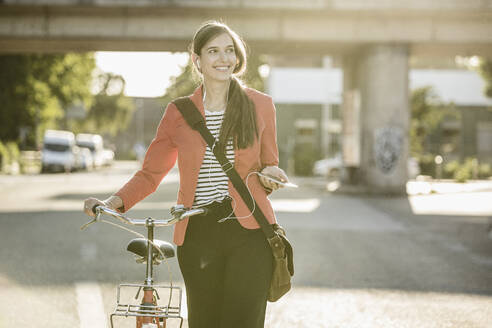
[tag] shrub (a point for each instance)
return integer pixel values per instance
(427, 165)
(13, 151)
(470, 169)
(462, 174)
(459, 171)
(4, 157)
(9, 156)
(484, 171)
(450, 169)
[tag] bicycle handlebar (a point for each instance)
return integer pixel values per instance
(178, 212)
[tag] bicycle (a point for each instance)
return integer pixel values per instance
(148, 313)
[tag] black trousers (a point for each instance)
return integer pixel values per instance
(227, 270)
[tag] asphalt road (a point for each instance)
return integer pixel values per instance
(361, 261)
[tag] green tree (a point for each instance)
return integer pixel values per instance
(252, 76)
(111, 110)
(69, 76)
(427, 113)
(486, 72)
(182, 85)
(35, 90)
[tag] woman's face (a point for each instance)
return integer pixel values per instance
(218, 58)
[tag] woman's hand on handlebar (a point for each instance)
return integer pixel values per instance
(89, 204)
(113, 202)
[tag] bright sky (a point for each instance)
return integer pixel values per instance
(146, 73)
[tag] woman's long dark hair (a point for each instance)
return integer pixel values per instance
(240, 115)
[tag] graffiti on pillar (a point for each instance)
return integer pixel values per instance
(388, 143)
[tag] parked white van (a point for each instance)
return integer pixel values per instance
(59, 151)
(94, 142)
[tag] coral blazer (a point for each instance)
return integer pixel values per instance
(174, 139)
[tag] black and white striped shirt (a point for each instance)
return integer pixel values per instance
(212, 181)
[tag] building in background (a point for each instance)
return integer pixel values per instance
(308, 102)
(307, 92)
(470, 133)
(309, 111)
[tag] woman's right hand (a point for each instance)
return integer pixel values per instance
(89, 204)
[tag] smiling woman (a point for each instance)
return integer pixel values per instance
(146, 74)
(225, 259)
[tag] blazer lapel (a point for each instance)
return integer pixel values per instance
(197, 98)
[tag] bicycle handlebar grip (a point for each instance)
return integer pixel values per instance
(177, 208)
(94, 208)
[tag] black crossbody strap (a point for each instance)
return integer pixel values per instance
(196, 121)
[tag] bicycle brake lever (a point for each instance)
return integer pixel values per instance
(88, 223)
(138, 292)
(96, 218)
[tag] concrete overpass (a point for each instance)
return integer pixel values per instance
(272, 26)
(374, 37)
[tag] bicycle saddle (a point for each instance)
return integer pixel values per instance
(138, 246)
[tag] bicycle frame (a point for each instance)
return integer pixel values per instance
(148, 313)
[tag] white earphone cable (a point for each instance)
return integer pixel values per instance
(226, 194)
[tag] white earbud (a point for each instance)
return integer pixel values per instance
(198, 63)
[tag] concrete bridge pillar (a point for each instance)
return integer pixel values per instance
(377, 81)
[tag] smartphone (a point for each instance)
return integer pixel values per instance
(284, 184)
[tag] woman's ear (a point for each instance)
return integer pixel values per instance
(196, 61)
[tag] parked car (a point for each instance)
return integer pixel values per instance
(333, 167)
(85, 159)
(59, 151)
(329, 167)
(108, 157)
(93, 142)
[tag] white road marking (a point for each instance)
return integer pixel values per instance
(460, 204)
(184, 305)
(90, 305)
(295, 205)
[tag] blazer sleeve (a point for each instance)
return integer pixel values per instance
(159, 160)
(269, 148)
